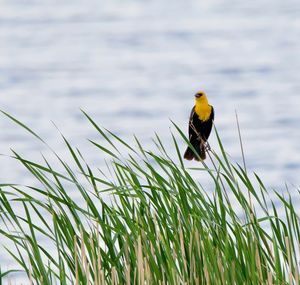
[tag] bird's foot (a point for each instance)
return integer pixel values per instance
(207, 147)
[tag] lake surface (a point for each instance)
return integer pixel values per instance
(133, 65)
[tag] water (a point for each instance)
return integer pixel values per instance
(132, 65)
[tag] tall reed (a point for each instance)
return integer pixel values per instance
(159, 225)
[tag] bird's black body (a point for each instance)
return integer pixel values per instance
(199, 132)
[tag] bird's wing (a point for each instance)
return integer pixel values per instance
(192, 113)
(212, 114)
(191, 131)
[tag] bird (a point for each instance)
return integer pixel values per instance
(200, 125)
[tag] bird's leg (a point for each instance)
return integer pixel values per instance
(205, 144)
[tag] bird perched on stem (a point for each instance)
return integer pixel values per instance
(200, 125)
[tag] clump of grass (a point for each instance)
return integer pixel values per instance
(159, 227)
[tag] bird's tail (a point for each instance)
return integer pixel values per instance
(189, 154)
(199, 147)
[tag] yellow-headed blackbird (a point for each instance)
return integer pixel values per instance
(200, 124)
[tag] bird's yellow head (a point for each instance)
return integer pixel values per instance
(202, 108)
(201, 98)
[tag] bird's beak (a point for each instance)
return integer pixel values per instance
(198, 95)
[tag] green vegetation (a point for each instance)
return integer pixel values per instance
(158, 226)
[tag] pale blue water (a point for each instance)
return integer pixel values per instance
(132, 65)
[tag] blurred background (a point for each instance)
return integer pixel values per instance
(133, 65)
